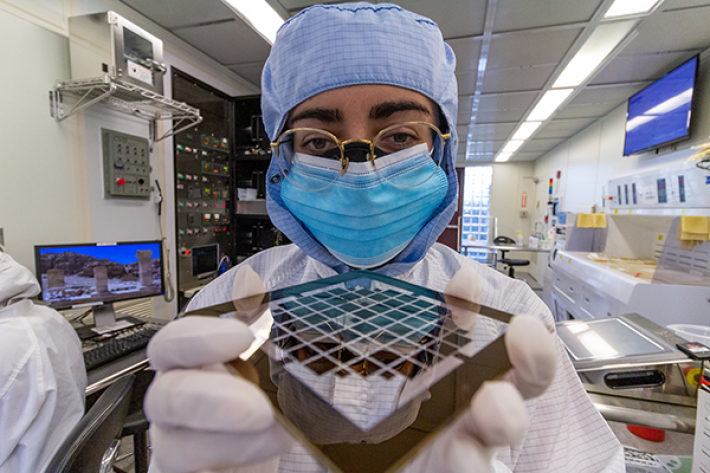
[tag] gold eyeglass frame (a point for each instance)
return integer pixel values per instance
(345, 161)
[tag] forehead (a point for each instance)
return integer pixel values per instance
(356, 99)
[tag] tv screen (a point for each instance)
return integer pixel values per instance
(660, 113)
(94, 274)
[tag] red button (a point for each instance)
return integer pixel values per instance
(121, 181)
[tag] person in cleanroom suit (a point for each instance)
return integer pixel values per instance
(360, 102)
(42, 374)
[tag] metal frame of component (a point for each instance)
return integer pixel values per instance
(103, 71)
(107, 43)
(639, 387)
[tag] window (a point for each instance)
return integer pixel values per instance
(476, 211)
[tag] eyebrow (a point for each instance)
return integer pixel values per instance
(326, 115)
(387, 109)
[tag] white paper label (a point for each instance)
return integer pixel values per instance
(139, 72)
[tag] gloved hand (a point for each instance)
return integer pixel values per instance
(201, 416)
(497, 416)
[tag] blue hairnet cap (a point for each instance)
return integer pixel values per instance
(325, 47)
(329, 46)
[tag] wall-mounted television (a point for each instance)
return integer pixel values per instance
(660, 114)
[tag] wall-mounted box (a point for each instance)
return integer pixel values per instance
(106, 43)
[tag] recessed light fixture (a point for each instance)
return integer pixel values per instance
(525, 130)
(597, 47)
(629, 7)
(548, 104)
(260, 16)
(503, 157)
(512, 146)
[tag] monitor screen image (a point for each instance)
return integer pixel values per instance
(93, 273)
(660, 113)
(205, 260)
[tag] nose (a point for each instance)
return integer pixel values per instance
(357, 152)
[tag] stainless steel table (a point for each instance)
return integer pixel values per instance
(525, 249)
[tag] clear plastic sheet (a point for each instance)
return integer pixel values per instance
(364, 369)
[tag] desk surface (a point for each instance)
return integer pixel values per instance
(526, 249)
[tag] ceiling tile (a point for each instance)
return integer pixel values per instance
(680, 4)
(640, 67)
(181, 12)
(493, 131)
(228, 43)
(563, 128)
(587, 110)
(507, 101)
(606, 94)
(530, 48)
(467, 52)
(531, 156)
(673, 31)
(540, 145)
(456, 18)
(462, 131)
(515, 15)
(464, 113)
(467, 82)
(522, 78)
(498, 116)
(249, 71)
(484, 147)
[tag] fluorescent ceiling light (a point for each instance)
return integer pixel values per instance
(629, 7)
(548, 104)
(597, 47)
(260, 16)
(503, 157)
(525, 130)
(512, 146)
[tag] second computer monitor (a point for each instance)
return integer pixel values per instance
(94, 273)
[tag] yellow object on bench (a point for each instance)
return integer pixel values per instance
(591, 220)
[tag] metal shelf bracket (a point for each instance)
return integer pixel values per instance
(126, 98)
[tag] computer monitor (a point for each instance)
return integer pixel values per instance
(98, 274)
(205, 261)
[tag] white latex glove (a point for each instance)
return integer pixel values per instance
(497, 416)
(202, 417)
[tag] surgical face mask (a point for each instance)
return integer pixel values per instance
(361, 218)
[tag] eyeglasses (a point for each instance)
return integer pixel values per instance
(322, 158)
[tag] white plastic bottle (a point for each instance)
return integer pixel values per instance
(520, 238)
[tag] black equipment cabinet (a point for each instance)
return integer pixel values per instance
(252, 154)
(204, 185)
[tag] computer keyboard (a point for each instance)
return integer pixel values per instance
(106, 350)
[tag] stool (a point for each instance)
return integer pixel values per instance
(512, 263)
(137, 425)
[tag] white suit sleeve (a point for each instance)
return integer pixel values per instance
(22, 394)
(567, 432)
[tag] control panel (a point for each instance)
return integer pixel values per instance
(684, 186)
(204, 204)
(126, 166)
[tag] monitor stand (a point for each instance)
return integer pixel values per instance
(105, 319)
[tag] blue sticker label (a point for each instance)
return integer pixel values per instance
(707, 179)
